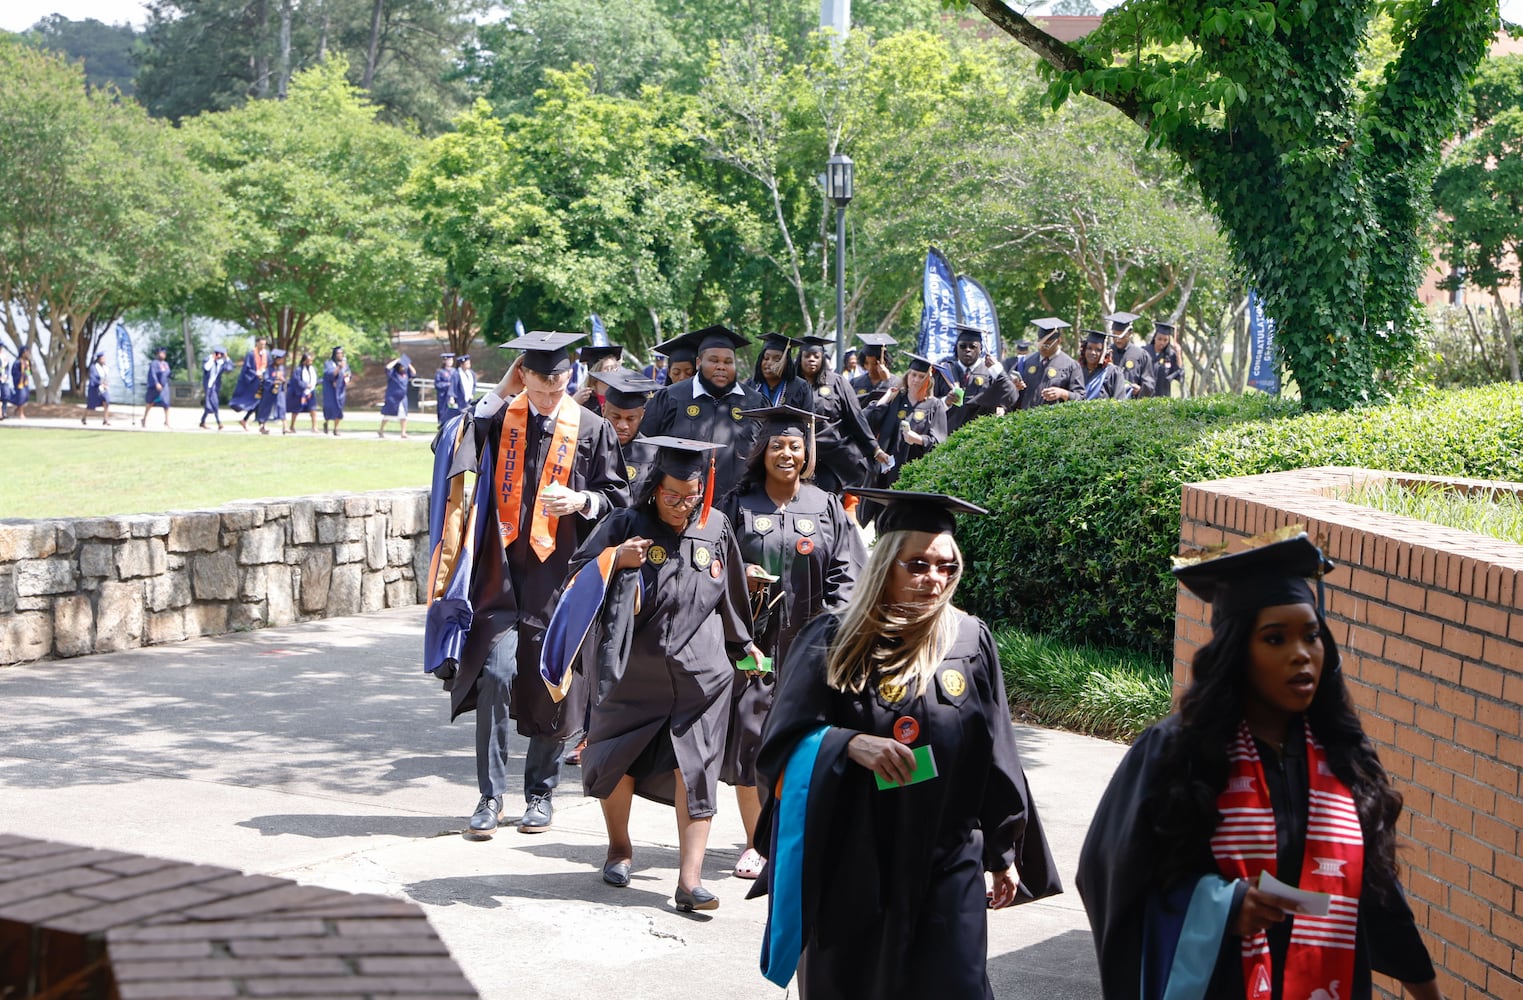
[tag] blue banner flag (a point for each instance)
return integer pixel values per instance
(518, 327)
(938, 312)
(1264, 371)
(124, 359)
(599, 335)
(977, 309)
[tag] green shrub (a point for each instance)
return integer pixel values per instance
(1085, 498)
(1095, 691)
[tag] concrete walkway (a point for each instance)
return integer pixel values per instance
(320, 753)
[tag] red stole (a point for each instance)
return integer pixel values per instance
(1320, 961)
(511, 459)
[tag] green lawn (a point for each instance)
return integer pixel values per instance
(67, 473)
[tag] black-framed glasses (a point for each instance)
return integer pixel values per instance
(922, 567)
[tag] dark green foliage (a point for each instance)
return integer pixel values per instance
(1102, 692)
(1085, 498)
(104, 50)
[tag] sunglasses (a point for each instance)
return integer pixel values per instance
(922, 567)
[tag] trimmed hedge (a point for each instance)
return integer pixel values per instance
(1100, 692)
(1085, 498)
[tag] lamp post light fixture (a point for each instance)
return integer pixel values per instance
(838, 186)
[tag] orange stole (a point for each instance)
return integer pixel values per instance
(510, 470)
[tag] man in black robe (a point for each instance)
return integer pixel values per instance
(844, 443)
(1129, 357)
(512, 585)
(624, 404)
(1048, 375)
(711, 406)
(980, 387)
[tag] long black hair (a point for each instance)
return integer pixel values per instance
(1194, 757)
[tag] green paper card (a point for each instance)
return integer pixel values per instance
(925, 770)
(749, 663)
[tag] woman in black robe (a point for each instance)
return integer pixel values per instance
(900, 783)
(1160, 868)
(802, 553)
(847, 448)
(670, 634)
(909, 420)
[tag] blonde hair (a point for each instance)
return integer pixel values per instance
(878, 640)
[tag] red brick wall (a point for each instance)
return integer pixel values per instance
(1430, 622)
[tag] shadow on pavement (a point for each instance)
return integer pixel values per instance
(333, 825)
(1059, 968)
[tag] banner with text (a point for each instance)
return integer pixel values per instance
(939, 310)
(1264, 369)
(977, 309)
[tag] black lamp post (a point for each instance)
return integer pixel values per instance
(838, 188)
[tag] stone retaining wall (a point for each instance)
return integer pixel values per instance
(1430, 623)
(76, 586)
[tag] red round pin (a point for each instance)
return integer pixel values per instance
(715, 569)
(805, 546)
(906, 729)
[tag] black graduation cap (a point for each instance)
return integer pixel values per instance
(462, 357)
(1096, 337)
(1121, 320)
(628, 390)
(718, 336)
(1273, 571)
(779, 342)
(1023, 346)
(686, 459)
(1049, 325)
(877, 344)
(545, 351)
(908, 511)
(683, 348)
(967, 332)
(813, 343)
(590, 356)
(789, 420)
(1167, 328)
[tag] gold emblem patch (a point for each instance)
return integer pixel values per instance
(735, 412)
(903, 414)
(978, 380)
(1131, 364)
(763, 524)
(693, 410)
(702, 557)
(656, 554)
(919, 417)
(1052, 373)
(629, 472)
(804, 525)
(954, 682)
(891, 692)
(824, 390)
(1031, 370)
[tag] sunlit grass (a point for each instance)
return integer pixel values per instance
(1101, 692)
(78, 473)
(1498, 513)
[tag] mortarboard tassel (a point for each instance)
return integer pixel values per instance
(708, 495)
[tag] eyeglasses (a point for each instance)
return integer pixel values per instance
(677, 499)
(921, 567)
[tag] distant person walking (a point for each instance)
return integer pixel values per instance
(250, 382)
(336, 378)
(7, 388)
(156, 392)
(21, 383)
(399, 372)
(272, 398)
(98, 390)
(446, 403)
(301, 392)
(212, 370)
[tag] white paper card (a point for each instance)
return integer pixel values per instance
(1313, 904)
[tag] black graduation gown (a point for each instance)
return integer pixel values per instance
(983, 393)
(512, 588)
(1103, 383)
(639, 466)
(887, 418)
(663, 673)
(843, 440)
(817, 551)
(1137, 368)
(863, 385)
(1166, 369)
(894, 897)
(1038, 373)
(792, 391)
(676, 411)
(1120, 854)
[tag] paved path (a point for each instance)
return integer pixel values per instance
(319, 753)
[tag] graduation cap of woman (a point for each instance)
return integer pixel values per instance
(787, 421)
(905, 510)
(686, 459)
(1273, 571)
(545, 351)
(877, 344)
(590, 356)
(627, 390)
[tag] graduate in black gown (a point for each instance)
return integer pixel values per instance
(671, 623)
(1130, 357)
(711, 405)
(1264, 768)
(336, 376)
(1167, 372)
(980, 387)
(1048, 375)
(775, 377)
(527, 521)
(626, 394)
(802, 553)
(877, 861)
(681, 357)
(1102, 380)
(875, 377)
(909, 421)
(597, 361)
(847, 449)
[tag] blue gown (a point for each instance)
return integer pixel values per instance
(301, 390)
(272, 401)
(395, 403)
(98, 392)
(334, 388)
(21, 384)
(157, 391)
(250, 384)
(446, 390)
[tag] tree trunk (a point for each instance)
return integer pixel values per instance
(325, 19)
(261, 60)
(284, 80)
(190, 344)
(1504, 326)
(374, 52)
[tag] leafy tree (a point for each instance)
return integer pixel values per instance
(1322, 191)
(1480, 192)
(311, 183)
(105, 50)
(100, 210)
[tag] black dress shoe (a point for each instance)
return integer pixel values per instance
(616, 873)
(537, 815)
(696, 899)
(487, 816)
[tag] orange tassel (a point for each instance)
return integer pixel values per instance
(708, 495)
